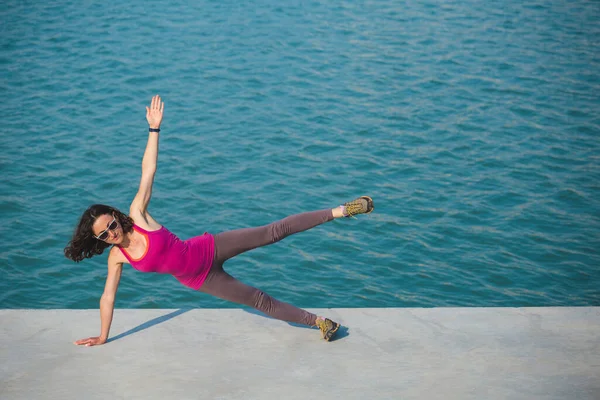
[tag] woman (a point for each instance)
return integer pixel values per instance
(139, 240)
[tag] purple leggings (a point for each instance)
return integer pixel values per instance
(229, 244)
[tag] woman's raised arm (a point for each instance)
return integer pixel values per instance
(154, 115)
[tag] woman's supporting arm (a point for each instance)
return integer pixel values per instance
(107, 301)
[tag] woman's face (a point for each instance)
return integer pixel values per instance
(108, 229)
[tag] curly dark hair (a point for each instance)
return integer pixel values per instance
(83, 244)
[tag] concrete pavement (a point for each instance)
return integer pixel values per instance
(394, 353)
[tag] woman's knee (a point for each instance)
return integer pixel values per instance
(262, 301)
(277, 231)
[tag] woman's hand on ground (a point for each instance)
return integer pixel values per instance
(91, 341)
(154, 113)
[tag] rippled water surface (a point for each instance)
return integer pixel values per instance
(474, 126)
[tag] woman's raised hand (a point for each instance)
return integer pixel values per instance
(91, 341)
(154, 113)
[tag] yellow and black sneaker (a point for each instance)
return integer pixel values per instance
(362, 205)
(328, 327)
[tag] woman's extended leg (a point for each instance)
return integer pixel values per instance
(231, 243)
(224, 286)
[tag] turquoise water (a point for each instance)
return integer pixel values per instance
(474, 126)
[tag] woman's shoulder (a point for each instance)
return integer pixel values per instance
(116, 255)
(145, 221)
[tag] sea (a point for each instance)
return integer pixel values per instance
(474, 126)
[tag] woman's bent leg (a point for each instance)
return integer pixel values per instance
(224, 286)
(231, 243)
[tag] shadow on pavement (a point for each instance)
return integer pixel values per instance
(149, 324)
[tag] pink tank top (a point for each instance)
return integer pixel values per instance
(188, 260)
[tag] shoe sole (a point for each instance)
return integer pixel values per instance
(370, 205)
(329, 334)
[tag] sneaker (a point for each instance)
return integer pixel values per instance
(328, 328)
(362, 205)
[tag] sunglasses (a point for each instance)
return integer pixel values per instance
(104, 234)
